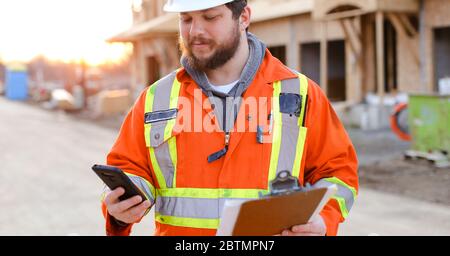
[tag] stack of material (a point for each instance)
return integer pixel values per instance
(114, 102)
(62, 99)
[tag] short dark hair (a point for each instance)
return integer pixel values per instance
(236, 7)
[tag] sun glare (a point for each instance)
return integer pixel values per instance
(67, 30)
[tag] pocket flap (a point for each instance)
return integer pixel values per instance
(159, 133)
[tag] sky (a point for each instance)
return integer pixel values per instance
(68, 30)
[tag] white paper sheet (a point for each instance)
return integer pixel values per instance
(230, 213)
(231, 210)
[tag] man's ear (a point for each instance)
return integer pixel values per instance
(244, 19)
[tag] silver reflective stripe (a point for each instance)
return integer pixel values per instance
(290, 130)
(162, 102)
(203, 208)
(162, 93)
(342, 192)
(165, 162)
(187, 207)
(140, 182)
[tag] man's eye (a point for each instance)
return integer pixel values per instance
(210, 17)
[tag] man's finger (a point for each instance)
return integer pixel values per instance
(290, 233)
(129, 203)
(113, 196)
(306, 234)
(139, 210)
(287, 233)
(307, 228)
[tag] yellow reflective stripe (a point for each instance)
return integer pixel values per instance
(341, 200)
(147, 128)
(174, 93)
(299, 151)
(102, 196)
(210, 193)
(172, 143)
(149, 108)
(342, 206)
(188, 222)
(303, 93)
(149, 185)
(340, 182)
(303, 130)
(157, 169)
(277, 128)
(150, 97)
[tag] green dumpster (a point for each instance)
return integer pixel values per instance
(429, 122)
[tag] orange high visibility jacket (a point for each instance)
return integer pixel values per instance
(170, 164)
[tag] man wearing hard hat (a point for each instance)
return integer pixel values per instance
(224, 126)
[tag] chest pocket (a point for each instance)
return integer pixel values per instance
(162, 146)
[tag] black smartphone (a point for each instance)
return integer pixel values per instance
(114, 177)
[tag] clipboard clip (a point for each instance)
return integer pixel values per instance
(285, 184)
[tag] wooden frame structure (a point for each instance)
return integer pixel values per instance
(360, 24)
(349, 14)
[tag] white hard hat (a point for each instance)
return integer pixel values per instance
(192, 5)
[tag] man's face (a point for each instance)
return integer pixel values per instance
(209, 38)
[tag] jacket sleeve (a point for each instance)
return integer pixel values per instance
(130, 154)
(330, 157)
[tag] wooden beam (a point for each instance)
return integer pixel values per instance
(401, 31)
(354, 41)
(352, 36)
(380, 54)
(359, 74)
(407, 24)
(348, 37)
(324, 58)
(134, 69)
(356, 28)
(369, 58)
(343, 15)
(293, 59)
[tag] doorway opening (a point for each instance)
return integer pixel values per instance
(336, 77)
(441, 55)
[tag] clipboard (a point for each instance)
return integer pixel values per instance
(287, 205)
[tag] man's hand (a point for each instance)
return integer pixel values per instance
(316, 227)
(128, 211)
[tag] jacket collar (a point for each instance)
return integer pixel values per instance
(270, 70)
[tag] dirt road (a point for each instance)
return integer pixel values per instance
(47, 187)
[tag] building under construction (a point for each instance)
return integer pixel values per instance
(352, 48)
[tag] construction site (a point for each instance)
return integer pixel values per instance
(383, 64)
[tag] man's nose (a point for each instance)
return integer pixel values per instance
(196, 28)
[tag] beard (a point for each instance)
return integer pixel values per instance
(222, 54)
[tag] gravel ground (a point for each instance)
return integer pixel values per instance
(384, 168)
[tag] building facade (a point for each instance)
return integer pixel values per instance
(351, 48)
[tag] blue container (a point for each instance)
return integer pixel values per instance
(16, 83)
